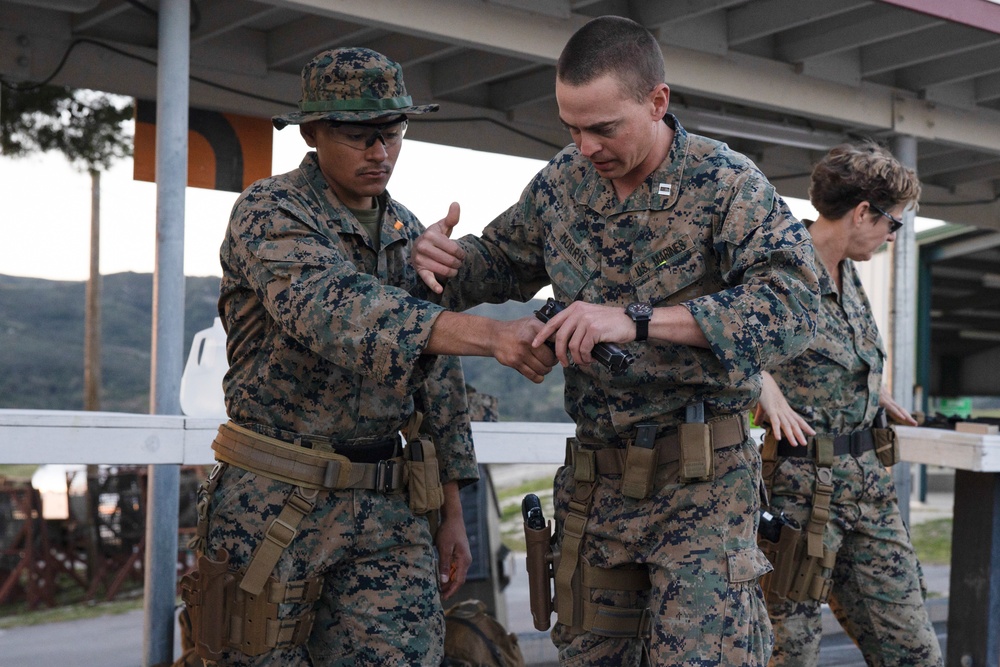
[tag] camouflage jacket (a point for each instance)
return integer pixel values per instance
(325, 333)
(835, 383)
(706, 230)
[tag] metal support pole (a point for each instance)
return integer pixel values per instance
(923, 362)
(902, 318)
(168, 323)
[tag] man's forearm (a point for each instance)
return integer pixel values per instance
(509, 342)
(462, 334)
(675, 324)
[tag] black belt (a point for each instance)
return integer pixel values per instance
(357, 451)
(855, 444)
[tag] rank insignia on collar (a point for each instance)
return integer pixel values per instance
(665, 189)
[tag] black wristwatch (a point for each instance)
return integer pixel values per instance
(640, 314)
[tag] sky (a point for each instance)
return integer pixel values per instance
(45, 224)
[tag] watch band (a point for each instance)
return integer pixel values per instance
(641, 329)
(640, 314)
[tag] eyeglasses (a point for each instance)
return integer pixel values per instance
(894, 223)
(362, 136)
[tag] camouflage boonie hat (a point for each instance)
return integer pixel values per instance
(351, 84)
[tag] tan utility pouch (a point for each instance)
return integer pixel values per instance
(423, 476)
(256, 629)
(797, 576)
(886, 446)
(696, 453)
(813, 580)
(224, 616)
(640, 463)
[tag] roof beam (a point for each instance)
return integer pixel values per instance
(987, 88)
(410, 51)
(962, 67)
(767, 17)
(656, 14)
(219, 18)
(922, 46)
(977, 174)
(956, 161)
(466, 70)
(103, 12)
(294, 43)
(474, 24)
(557, 8)
(962, 246)
(521, 91)
(850, 31)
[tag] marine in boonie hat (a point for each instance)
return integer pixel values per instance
(351, 84)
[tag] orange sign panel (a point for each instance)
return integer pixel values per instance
(225, 151)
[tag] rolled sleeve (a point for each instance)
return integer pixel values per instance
(769, 314)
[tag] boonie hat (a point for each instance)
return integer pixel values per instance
(351, 84)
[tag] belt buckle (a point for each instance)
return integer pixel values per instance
(383, 476)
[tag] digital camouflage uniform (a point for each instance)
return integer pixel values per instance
(326, 339)
(708, 231)
(878, 593)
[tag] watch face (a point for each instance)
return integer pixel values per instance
(643, 310)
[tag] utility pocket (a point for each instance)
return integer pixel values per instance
(696, 453)
(423, 476)
(746, 565)
(886, 445)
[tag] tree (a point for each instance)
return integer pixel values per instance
(88, 127)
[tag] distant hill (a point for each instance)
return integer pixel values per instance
(41, 347)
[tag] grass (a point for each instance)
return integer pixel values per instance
(932, 541)
(13, 617)
(21, 473)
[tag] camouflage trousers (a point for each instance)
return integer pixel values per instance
(380, 603)
(698, 542)
(878, 590)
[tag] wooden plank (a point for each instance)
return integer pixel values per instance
(950, 449)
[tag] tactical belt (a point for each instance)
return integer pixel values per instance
(726, 432)
(310, 471)
(856, 444)
(359, 450)
(309, 468)
(574, 577)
